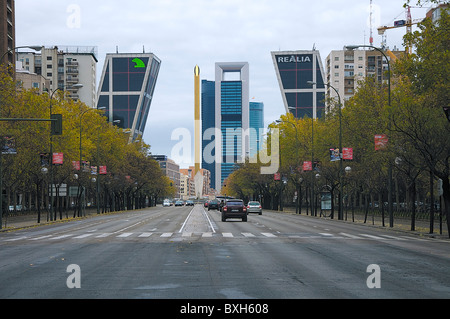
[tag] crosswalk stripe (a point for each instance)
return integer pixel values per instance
(18, 238)
(62, 236)
(83, 236)
(326, 234)
(209, 234)
(186, 234)
(372, 236)
(145, 235)
(103, 235)
(248, 234)
(166, 235)
(351, 236)
(41, 237)
(268, 234)
(227, 234)
(125, 235)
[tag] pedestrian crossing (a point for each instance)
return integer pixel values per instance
(206, 235)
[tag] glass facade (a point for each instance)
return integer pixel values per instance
(232, 117)
(126, 89)
(256, 124)
(208, 122)
(294, 70)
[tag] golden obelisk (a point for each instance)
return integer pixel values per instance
(198, 176)
(197, 118)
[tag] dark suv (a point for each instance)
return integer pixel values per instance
(234, 208)
(213, 204)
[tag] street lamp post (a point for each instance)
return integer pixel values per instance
(79, 85)
(390, 209)
(341, 169)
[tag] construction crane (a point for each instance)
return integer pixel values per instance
(400, 23)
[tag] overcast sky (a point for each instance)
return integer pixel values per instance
(183, 33)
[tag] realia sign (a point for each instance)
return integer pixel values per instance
(294, 58)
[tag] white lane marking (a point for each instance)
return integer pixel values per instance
(209, 234)
(186, 234)
(227, 234)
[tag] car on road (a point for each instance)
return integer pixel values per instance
(234, 208)
(213, 204)
(189, 203)
(166, 203)
(254, 207)
(179, 203)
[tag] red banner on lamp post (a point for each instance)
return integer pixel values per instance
(102, 170)
(58, 158)
(347, 153)
(381, 141)
(307, 166)
(76, 165)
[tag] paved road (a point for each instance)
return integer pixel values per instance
(187, 252)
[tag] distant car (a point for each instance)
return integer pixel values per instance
(166, 203)
(189, 203)
(213, 204)
(179, 203)
(254, 207)
(234, 208)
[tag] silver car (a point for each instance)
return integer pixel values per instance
(254, 207)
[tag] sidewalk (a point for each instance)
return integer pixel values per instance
(12, 223)
(422, 228)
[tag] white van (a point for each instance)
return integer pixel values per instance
(166, 203)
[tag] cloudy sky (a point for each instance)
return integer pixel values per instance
(185, 33)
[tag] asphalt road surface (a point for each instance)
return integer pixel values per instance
(188, 253)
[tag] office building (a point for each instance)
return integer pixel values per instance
(208, 109)
(256, 127)
(65, 67)
(126, 89)
(294, 69)
(232, 117)
(7, 32)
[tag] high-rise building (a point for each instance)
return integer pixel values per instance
(208, 110)
(232, 117)
(345, 68)
(65, 67)
(294, 69)
(126, 89)
(256, 126)
(7, 31)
